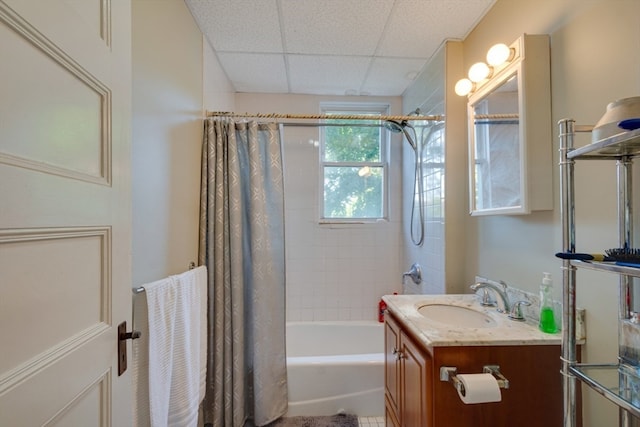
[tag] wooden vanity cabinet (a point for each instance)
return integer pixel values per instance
(391, 371)
(408, 378)
(415, 396)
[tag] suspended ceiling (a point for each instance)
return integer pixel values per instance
(330, 47)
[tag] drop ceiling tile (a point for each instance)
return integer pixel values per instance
(330, 46)
(390, 77)
(239, 25)
(332, 75)
(417, 28)
(335, 27)
(257, 72)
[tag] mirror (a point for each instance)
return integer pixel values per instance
(509, 114)
(497, 152)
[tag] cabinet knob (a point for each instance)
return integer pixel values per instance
(397, 353)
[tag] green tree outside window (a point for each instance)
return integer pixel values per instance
(353, 167)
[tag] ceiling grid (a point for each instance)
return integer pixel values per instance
(331, 47)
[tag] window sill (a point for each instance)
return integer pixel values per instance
(344, 223)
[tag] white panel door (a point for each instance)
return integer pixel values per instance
(65, 281)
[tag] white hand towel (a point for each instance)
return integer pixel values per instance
(140, 360)
(196, 281)
(177, 338)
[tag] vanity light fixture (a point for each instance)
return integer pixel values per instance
(464, 87)
(498, 55)
(479, 72)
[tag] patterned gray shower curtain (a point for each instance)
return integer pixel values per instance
(242, 245)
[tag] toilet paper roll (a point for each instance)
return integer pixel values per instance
(479, 388)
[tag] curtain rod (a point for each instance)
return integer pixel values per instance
(321, 116)
(496, 116)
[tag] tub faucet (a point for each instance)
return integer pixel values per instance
(415, 273)
(500, 288)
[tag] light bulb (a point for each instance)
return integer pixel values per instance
(479, 72)
(499, 54)
(463, 87)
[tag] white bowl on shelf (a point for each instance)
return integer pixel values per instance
(617, 111)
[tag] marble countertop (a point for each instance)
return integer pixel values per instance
(435, 334)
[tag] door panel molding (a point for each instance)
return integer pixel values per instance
(105, 21)
(103, 173)
(99, 391)
(39, 363)
(15, 375)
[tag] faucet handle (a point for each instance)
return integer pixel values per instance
(486, 295)
(516, 310)
(415, 273)
(486, 299)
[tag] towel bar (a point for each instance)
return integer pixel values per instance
(140, 289)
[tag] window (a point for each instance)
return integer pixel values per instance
(353, 164)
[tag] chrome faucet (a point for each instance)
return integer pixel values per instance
(500, 288)
(415, 273)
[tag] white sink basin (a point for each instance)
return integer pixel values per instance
(456, 316)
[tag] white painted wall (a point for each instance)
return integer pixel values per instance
(334, 272)
(175, 78)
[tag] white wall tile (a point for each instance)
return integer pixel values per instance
(334, 272)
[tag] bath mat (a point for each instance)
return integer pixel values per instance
(340, 420)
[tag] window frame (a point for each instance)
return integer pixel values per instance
(356, 108)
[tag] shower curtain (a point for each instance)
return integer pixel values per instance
(242, 245)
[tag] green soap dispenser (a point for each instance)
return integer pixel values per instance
(547, 317)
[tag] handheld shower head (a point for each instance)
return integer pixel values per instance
(417, 236)
(395, 126)
(401, 127)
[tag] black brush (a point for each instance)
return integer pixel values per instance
(628, 256)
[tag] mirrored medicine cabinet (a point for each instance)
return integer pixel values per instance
(510, 139)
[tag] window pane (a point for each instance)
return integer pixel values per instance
(353, 192)
(352, 143)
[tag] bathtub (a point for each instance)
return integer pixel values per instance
(335, 367)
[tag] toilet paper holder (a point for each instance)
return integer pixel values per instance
(448, 374)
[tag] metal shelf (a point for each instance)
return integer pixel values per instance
(614, 147)
(608, 266)
(620, 383)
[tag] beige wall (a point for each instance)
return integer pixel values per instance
(175, 77)
(595, 59)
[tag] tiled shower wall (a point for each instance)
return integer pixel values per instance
(427, 93)
(433, 168)
(336, 271)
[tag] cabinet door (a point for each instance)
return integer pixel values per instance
(390, 415)
(392, 365)
(416, 385)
